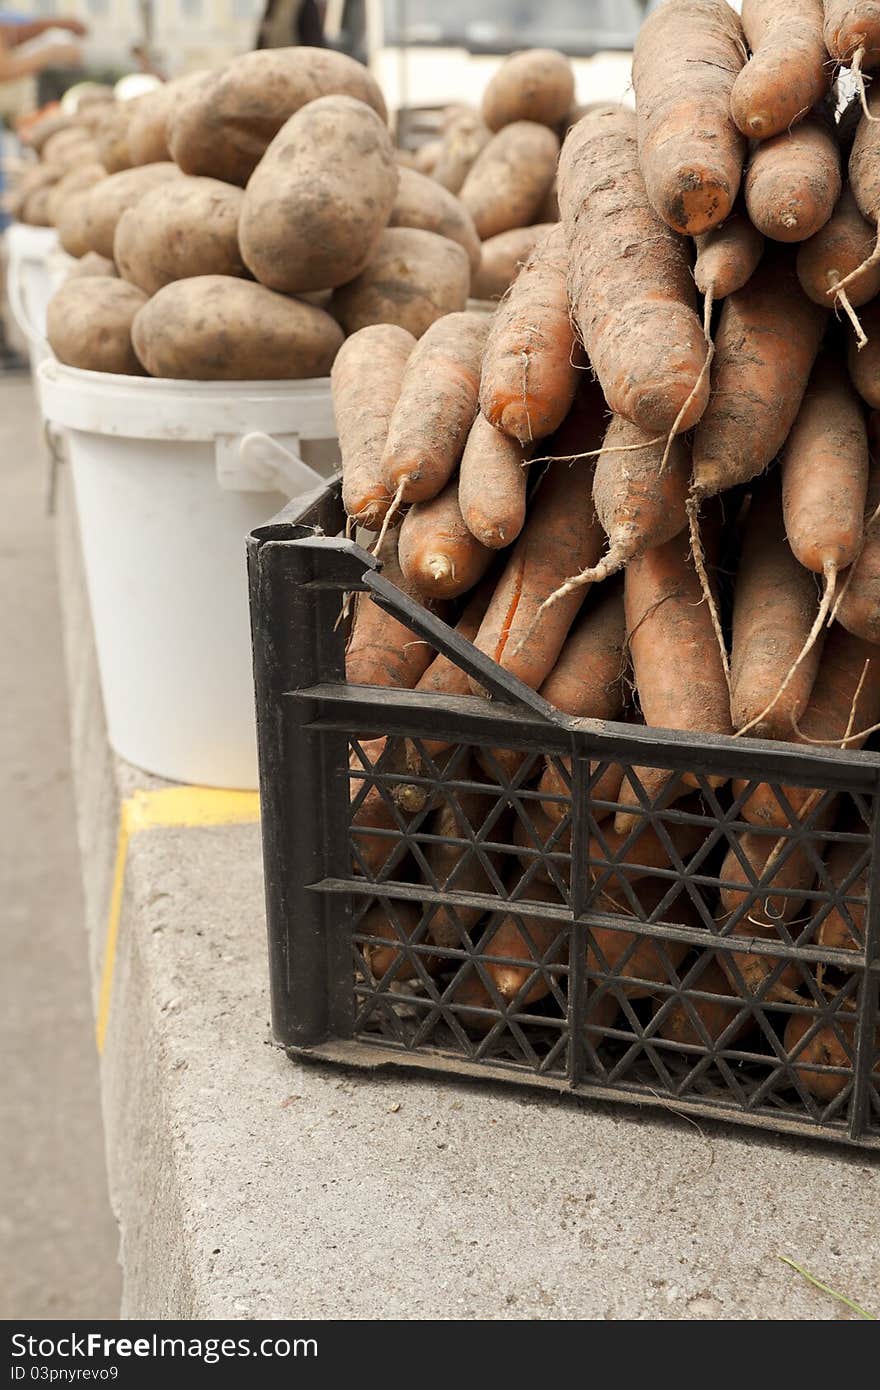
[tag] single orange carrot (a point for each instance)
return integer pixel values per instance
(439, 556)
(630, 285)
(492, 485)
(435, 408)
(788, 72)
(366, 380)
(530, 372)
(687, 56)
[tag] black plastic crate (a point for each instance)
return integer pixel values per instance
(495, 926)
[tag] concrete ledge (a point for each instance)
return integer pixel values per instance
(248, 1186)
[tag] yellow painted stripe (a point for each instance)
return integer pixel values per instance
(153, 810)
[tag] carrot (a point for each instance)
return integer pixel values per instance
(688, 54)
(630, 286)
(587, 682)
(640, 969)
(844, 701)
(379, 921)
(828, 257)
(859, 607)
(543, 837)
(794, 181)
(561, 530)
(825, 478)
(455, 866)
(492, 485)
(366, 379)
(704, 1021)
(375, 811)
(555, 788)
(825, 472)
(853, 28)
(786, 75)
(830, 1046)
(677, 665)
(439, 556)
(522, 941)
(864, 180)
(765, 346)
(727, 256)
(435, 408)
(501, 257)
(381, 651)
(779, 901)
(529, 373)
(639, 858)
(844, 927)
(864, 363)
(587, 679)
(443, 677)
(774, 608)
(640, 503)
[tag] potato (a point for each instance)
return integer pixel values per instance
(146, 134)
(223, 128)
(70, 221)
(320, 199)
(91, 264)
(67, 149)
(537, 85)
(510, 178)
(414, 278)
(464, 140)
(111, 138)
(48, 126)
(108, 200)
(217, 328)
(501, 257)
(33, 177)
(89, 323)
(421, 202)
(185, 226)
(76, 180)
(426, 156)
(149, 117)
(35, 207)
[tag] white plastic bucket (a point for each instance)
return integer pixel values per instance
(30, 284)
(169, 479)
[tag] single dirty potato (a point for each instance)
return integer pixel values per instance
(537, 85)
(224, 126)
(89, 324)
(183, 227)
(414, 278)
(218, 328)
(105, 203)
(509, 179)
(314, 210)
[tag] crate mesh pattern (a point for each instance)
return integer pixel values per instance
(485, 887)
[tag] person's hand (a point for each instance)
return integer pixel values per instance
(75, 26)
(62, 55)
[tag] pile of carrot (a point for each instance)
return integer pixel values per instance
(649, 485)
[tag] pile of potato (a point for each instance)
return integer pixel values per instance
(238, 224)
